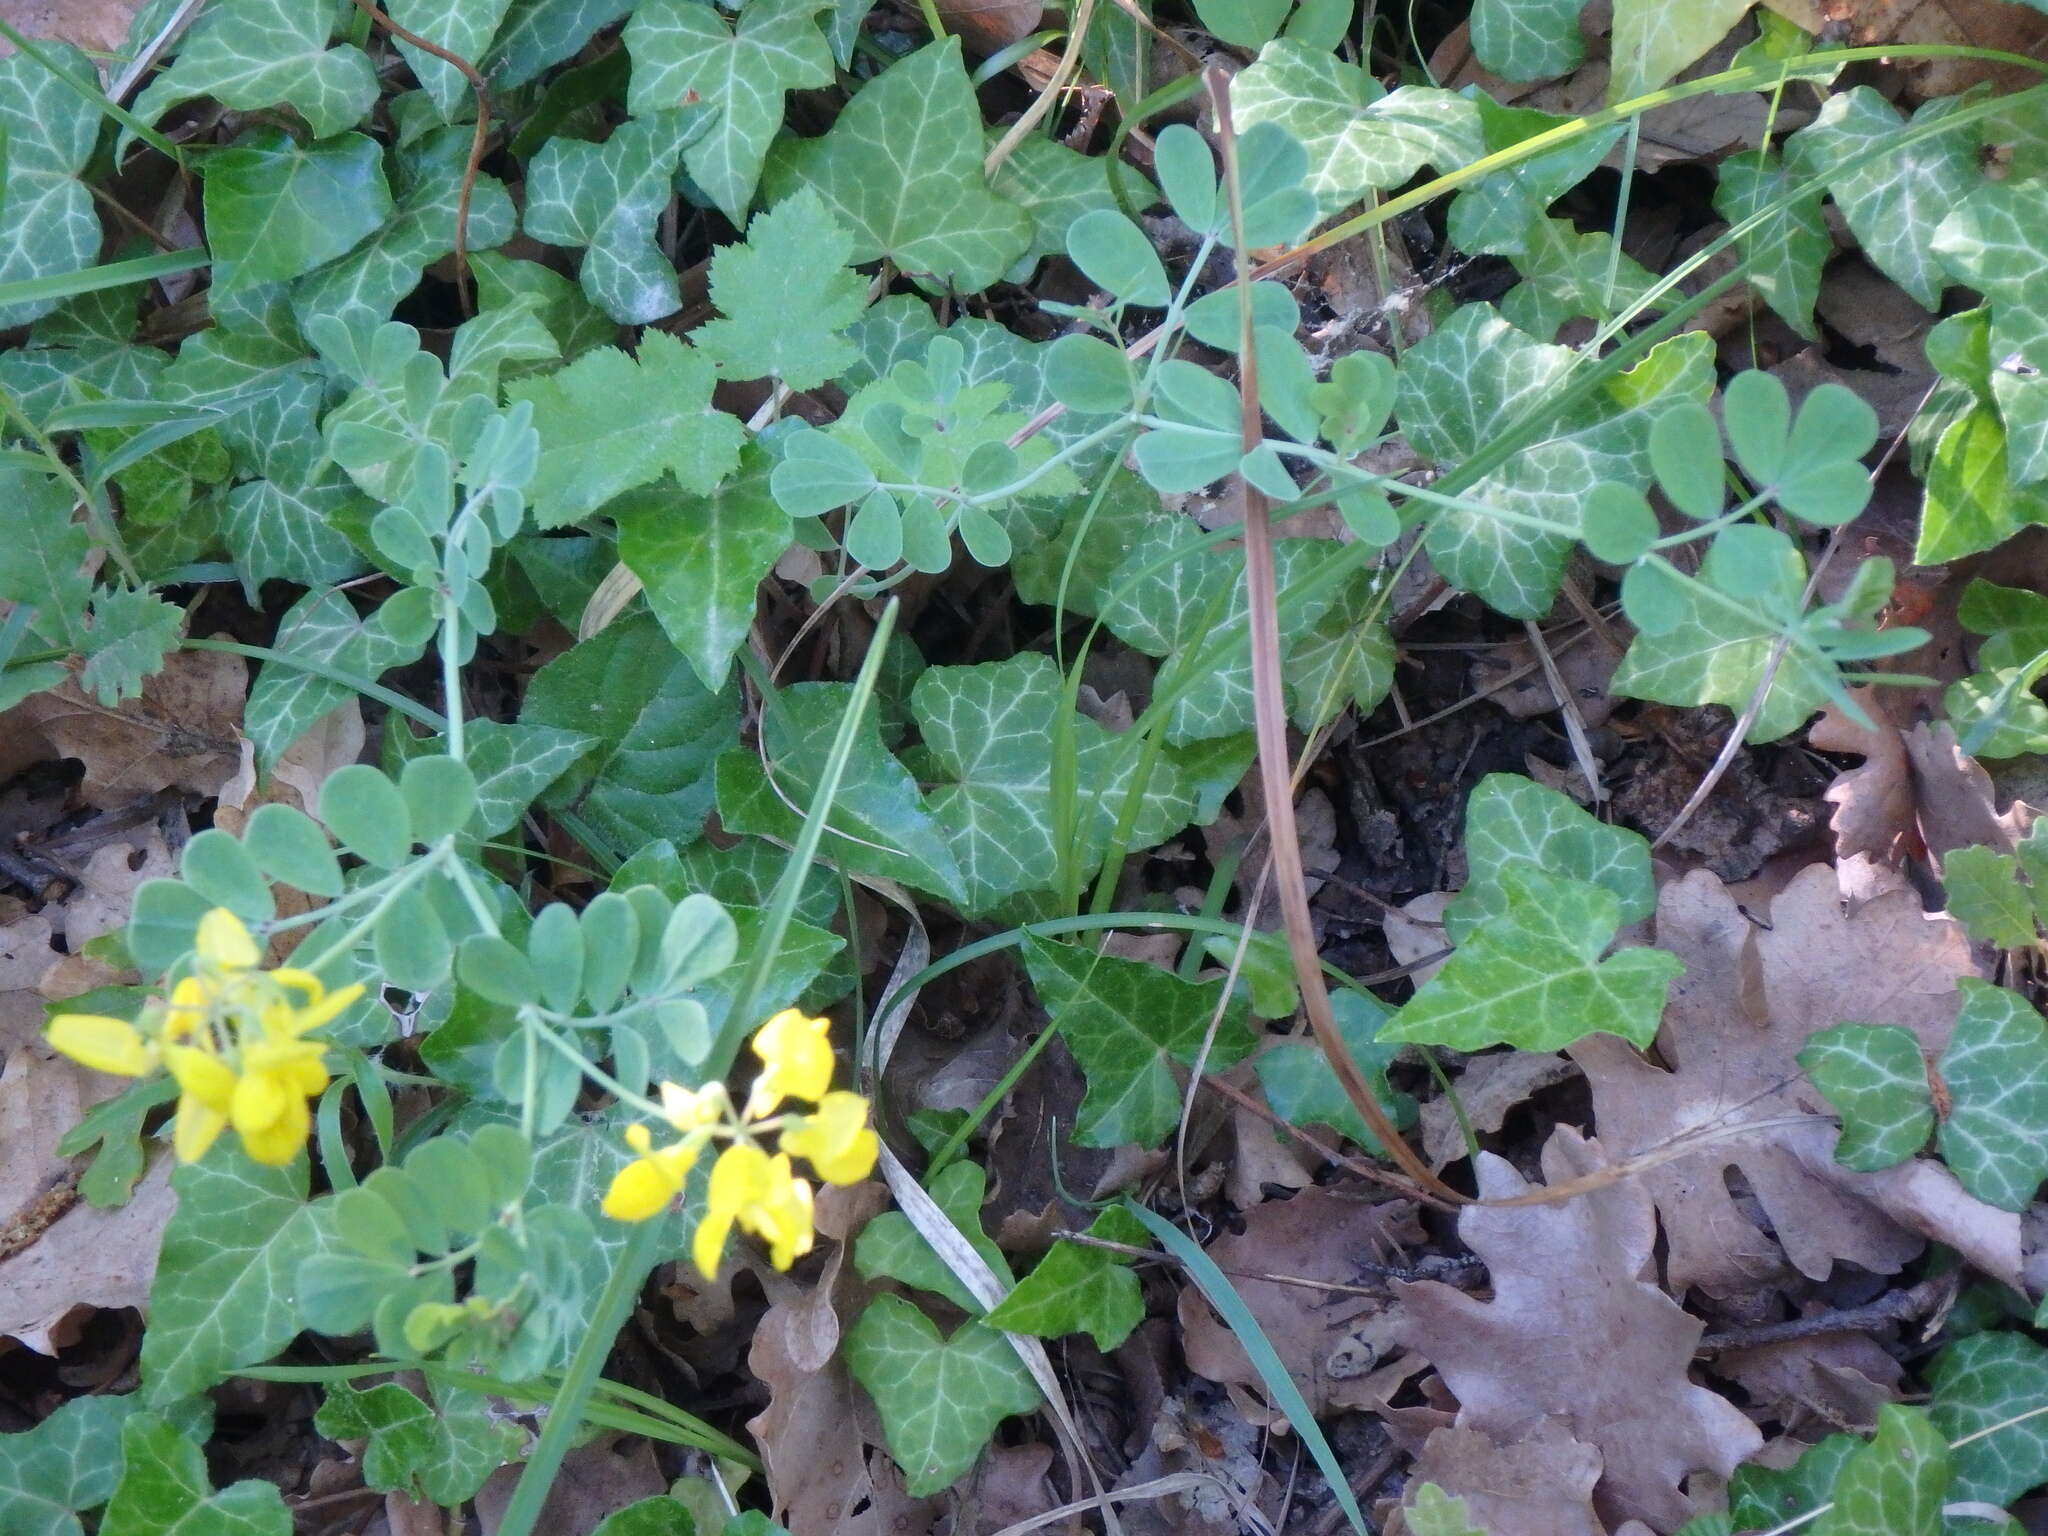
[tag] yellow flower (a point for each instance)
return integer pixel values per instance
(645, 1186)
(233, 1037)
(796, 1058)
(761, 1194)
(690, 1109)
(836, 1140)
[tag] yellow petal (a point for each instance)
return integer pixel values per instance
(305, 983)
(638, 1191)
(796, 1056)
(836, 1140)
(190, 999)
(781, 1217)
(225, 943)
(101, 1043)
(259, 1102)
(324, 1010)
(708, 1247)
(203, 1076)
(278, 1140)
(197, 1129)
(689, 1109)
(639, 1138)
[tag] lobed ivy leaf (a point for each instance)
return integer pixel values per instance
(1986, 896)
(47, 223)
(890, 1247)
(1972, 503)
(62, 1466)
(441, 1452)
(1653, 41)
(1126, 1023)
(464, 28)
(537, 33)
(785, 296)
(1568, 273)
(1784, 252)
(1895, 1485)
(165, 1490)
(1302, 1088)
(901, 168)
(684, 50)
(1055, 186)
(1978, 1383)
(1995, 711)
(1523, 40)
(1077, 1288)
(940, 1398)
(276, 208)
(1995, 1135)
(1493, 215)
(1874, 1077)
(1989, 242)
(1514, 823)
(324, 627)
(251, 54)
(1762, 1496)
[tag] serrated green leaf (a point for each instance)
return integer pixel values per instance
(785, 295)
(658, 730)
(324, 627)
(165, 1491)
(1785, 251)
(42, 561)
(1986, 897)
(276, 208)
(131, 631)
(113, 1125)
(681, 48)
(890, 1247)
(1533, 977)
(442, 1453)
(264, 53)
(606, 197)
(1893, 1486)
(1434, 1512)
(901, 169)
(1512, 822)
(64, 1465)
(47, 223)
(1126, 1023)
(1978, 1383)
(1076, 1288)
(1875, 1079)
(940, 1398)
(1995, 1137)
(1653, 40)
(225, 1287)
(1525, 40)
(1301, 1086)
(609, 422)
(1359, 137)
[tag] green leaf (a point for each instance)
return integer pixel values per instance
(609, 422)
(1076, 1288)
(682, 48)
(1895, 200)
(1301, 1087)
(1434, 1512)
(1115, 255)
(323, 627)
(1809, 463)
(1359, 137)
(251, 54)
(1980, 1382)
(1894, 1486)
(1972, 504)
(537, 33)
(276, 208)
(274, 529)
(1055, 186)
(113, 1125)
(42, 560)
(659, 731)
(658, 1515)
(890, 1247)
(576, 324)
(703, 558)
(461, 27)
(1566, 274)
(1654, 40)
(1524, 40)
(1784, 253)
(1874, 1078)
(1533, 977)
(1995, 1137)
(901, 168)
(225, 1290)
(1763, 1496)
(64, 1465)
(131, 631)
(441, 1453)
(1345, 657)
(940, 1398)
(785, 295)
(47, 223)
(1514, 823)
(366, 814)
(1989, 242)
(606, 197)
(1986, 897)
(1126, 1022)
(1493, 214)
(1243, 23)
(165, 1491)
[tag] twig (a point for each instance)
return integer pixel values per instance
(1892, 1307)
(476, 140)
(1070, 61)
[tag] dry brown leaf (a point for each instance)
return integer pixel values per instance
(86, 1259)
(1840, 1379)
(1958, 807)
(1751, 994)
(1540, 1484)
(1488, 1088)
(183, 731)
(991, 25)
(1009, 1485)
(1980, 23)
(1416, 932)
(1874, 811)
(96, 25)
(1574, 1331)
(593, 1481)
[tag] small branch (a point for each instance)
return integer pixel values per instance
(1892, 1307)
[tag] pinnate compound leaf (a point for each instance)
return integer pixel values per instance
(1533, 977)
(682, 48)
(891, 1247)
(1895, 1485)
(441, 1452)
(609, 422)
(250, 54)
(1980, 1382)
(165, 1490)
(1076, 1288)
(64, 1465)
(1126, 1023)
(606, 198)
(901, 169)
(1512, 822)
(1524, 40)
(784, 296)
(940, 1398)
(1875, 1078)
(47, 223)
(276, 208)
(225, 1289)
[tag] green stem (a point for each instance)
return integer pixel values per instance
(362, 685)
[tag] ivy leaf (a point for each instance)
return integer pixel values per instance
(441, 1453)
(275, 529)
(683, 49)
(1762, 1496)
(1784, 253)
(1895, 1485)
(1474, 377)
(165, 1491)
(250, 54)
(1972, 503)
(1302, 1089)
(901, 168)
(1126, 1022)
(276, 208)
(609, 422)
(1512, 822)
(1653, 41)
(537, 33)
(1989, 243)
(47, 223)
(1986, 897)
(1359, 137)
(324, 627)
(1055, 186)
(1995, 1137)
(889, 1246)
(940, 1398)
(1896, 200)
(1874, 1077)
(784, 296)
(1978, 1383)
(1565, 275)
(606, 197)
(1524, 40)
(1533, 977)
(225, 1288)
(658, 730)
(64, 1465)
(511, 763)
(1076, 1288)
(1345, 657)
(1493, 214)
(661, 1515)
(463, 27)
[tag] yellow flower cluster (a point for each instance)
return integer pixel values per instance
(234, 1037)
(750, 1187)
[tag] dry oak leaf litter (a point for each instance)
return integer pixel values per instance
(1538, 1484)
(1574, 1331)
